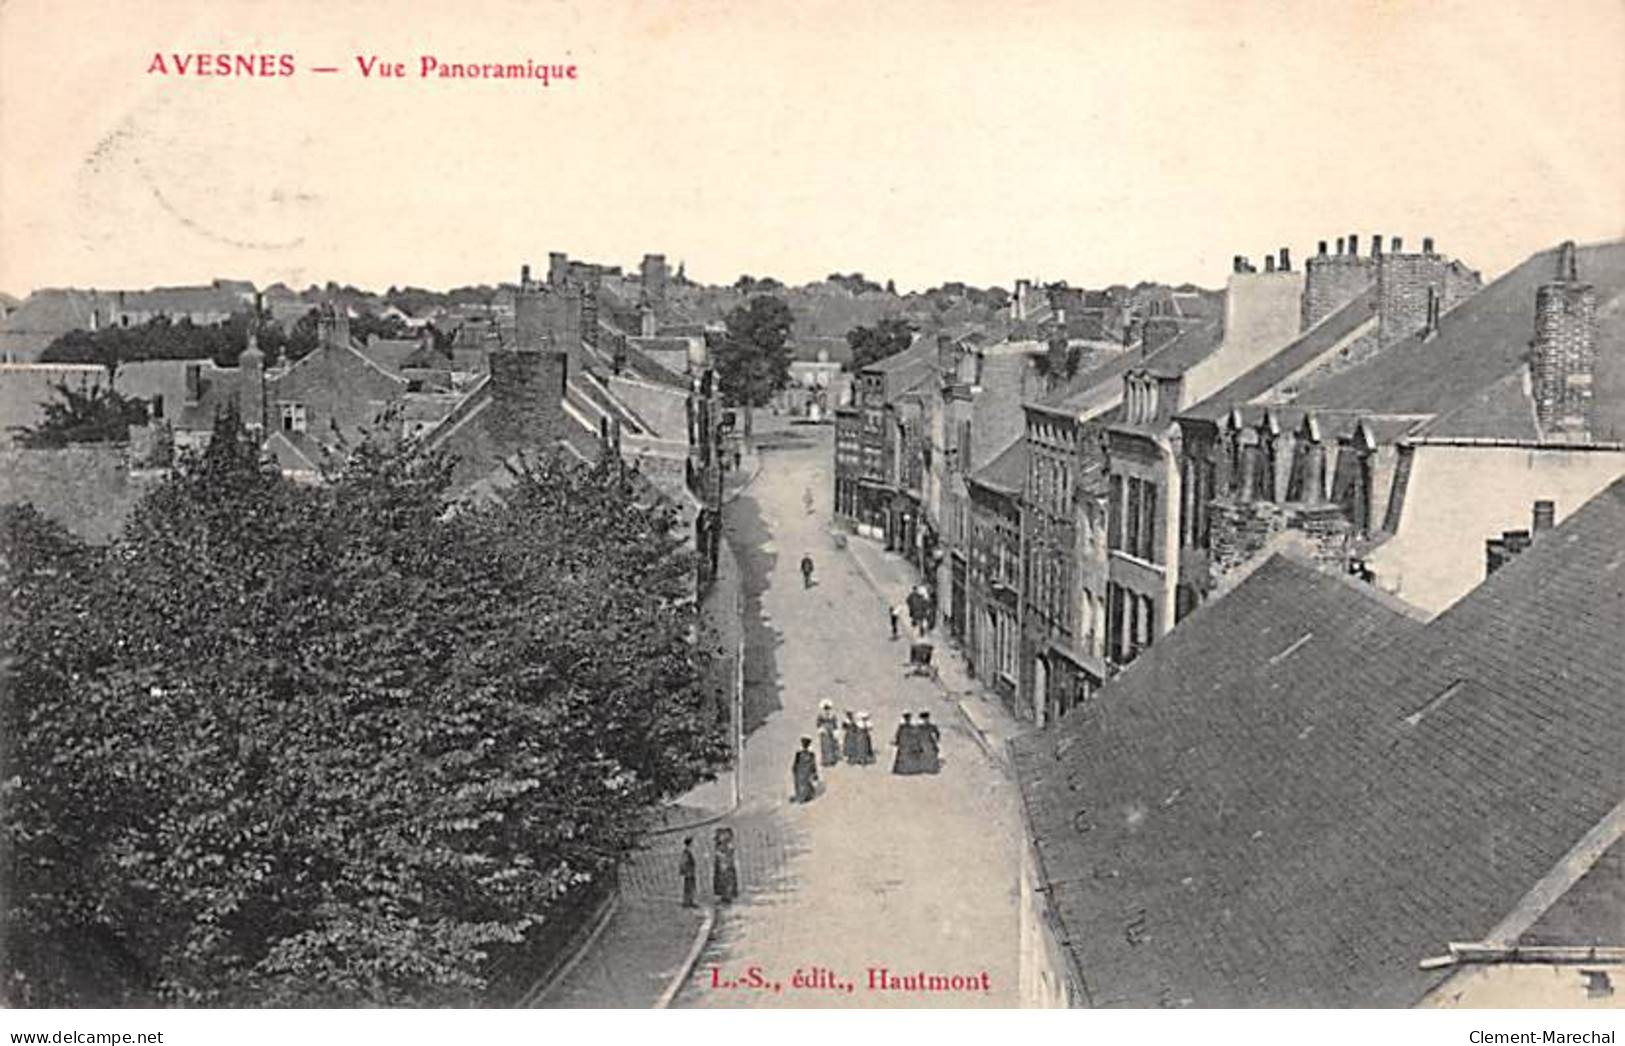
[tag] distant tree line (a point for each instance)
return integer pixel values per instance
(162, 338)
(300, 745)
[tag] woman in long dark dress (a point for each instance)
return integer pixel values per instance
(850, 749)
(906, 741)
(804, 771)
(829, 746)
(724, 873)
(866, 740)
(930, 744)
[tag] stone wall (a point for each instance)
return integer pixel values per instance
(1240, 530)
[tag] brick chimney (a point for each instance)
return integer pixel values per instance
(333, 325)
(1397, 245)
(251, 383)
(564, 316)
(1286, 260)
(558, 268)
(1354, 243)
(527, 397)
(1545, 516)
(1322, 251)
(1340, 245)
(654, 277)
(1376, 245)
(1565, 351)
(1427, 245)
(529, 322)
(1269, 263)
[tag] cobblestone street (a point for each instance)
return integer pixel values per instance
(908, 874)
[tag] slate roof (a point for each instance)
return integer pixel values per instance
(1006, 473)
(1479, 342)
(1188, 348)
(1314, 343)
(1250, 817)
(390, 354)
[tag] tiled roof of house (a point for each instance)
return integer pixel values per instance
(1300, 793)
(390, 354)
(43, 317)
(1006, 473)
(1479, 342)
(1314, 343)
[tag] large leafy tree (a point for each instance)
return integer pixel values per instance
(333, 745)
(84, 414)
(871, 344)
(753, 361)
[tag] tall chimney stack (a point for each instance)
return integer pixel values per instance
(1564, 358)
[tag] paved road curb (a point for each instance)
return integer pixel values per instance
(606, 912)
(701, 939)
(989, 751)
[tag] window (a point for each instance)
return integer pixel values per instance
(158, 407)
(1132, 514)
(293, 417)
(1148, 525)
(1114, 513)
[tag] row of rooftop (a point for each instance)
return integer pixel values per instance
(1307, 607)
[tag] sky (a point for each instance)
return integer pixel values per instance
(921, 142)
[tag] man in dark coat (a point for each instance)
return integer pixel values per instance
(689, 868)
(804, 770)
(806, 570)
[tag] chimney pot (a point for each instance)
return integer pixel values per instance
(1340, 245)
(524, 275)
(1567, 269)
(1354, 244)
(1269, 263)
(1397, 245)
(1427, 245)
(1376, 245)
(1545, 515)
(1322, 251)
(1286, 260)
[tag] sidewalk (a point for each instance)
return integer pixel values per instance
(989, 721)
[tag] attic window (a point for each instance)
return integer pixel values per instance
(1438, 700)
(1290, 650)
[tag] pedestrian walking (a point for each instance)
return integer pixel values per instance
(689, 868)
(804, 772)
(724, 872)
(829, 746)
(851, 740)
(930, 744)
(907, 742)
(806, 570)
(895, 613)
(916, 609)
(866, 741)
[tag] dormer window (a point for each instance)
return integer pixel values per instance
(294, 418)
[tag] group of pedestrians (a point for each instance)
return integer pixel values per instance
(918, 744)
(922, 612)
(724, 871)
